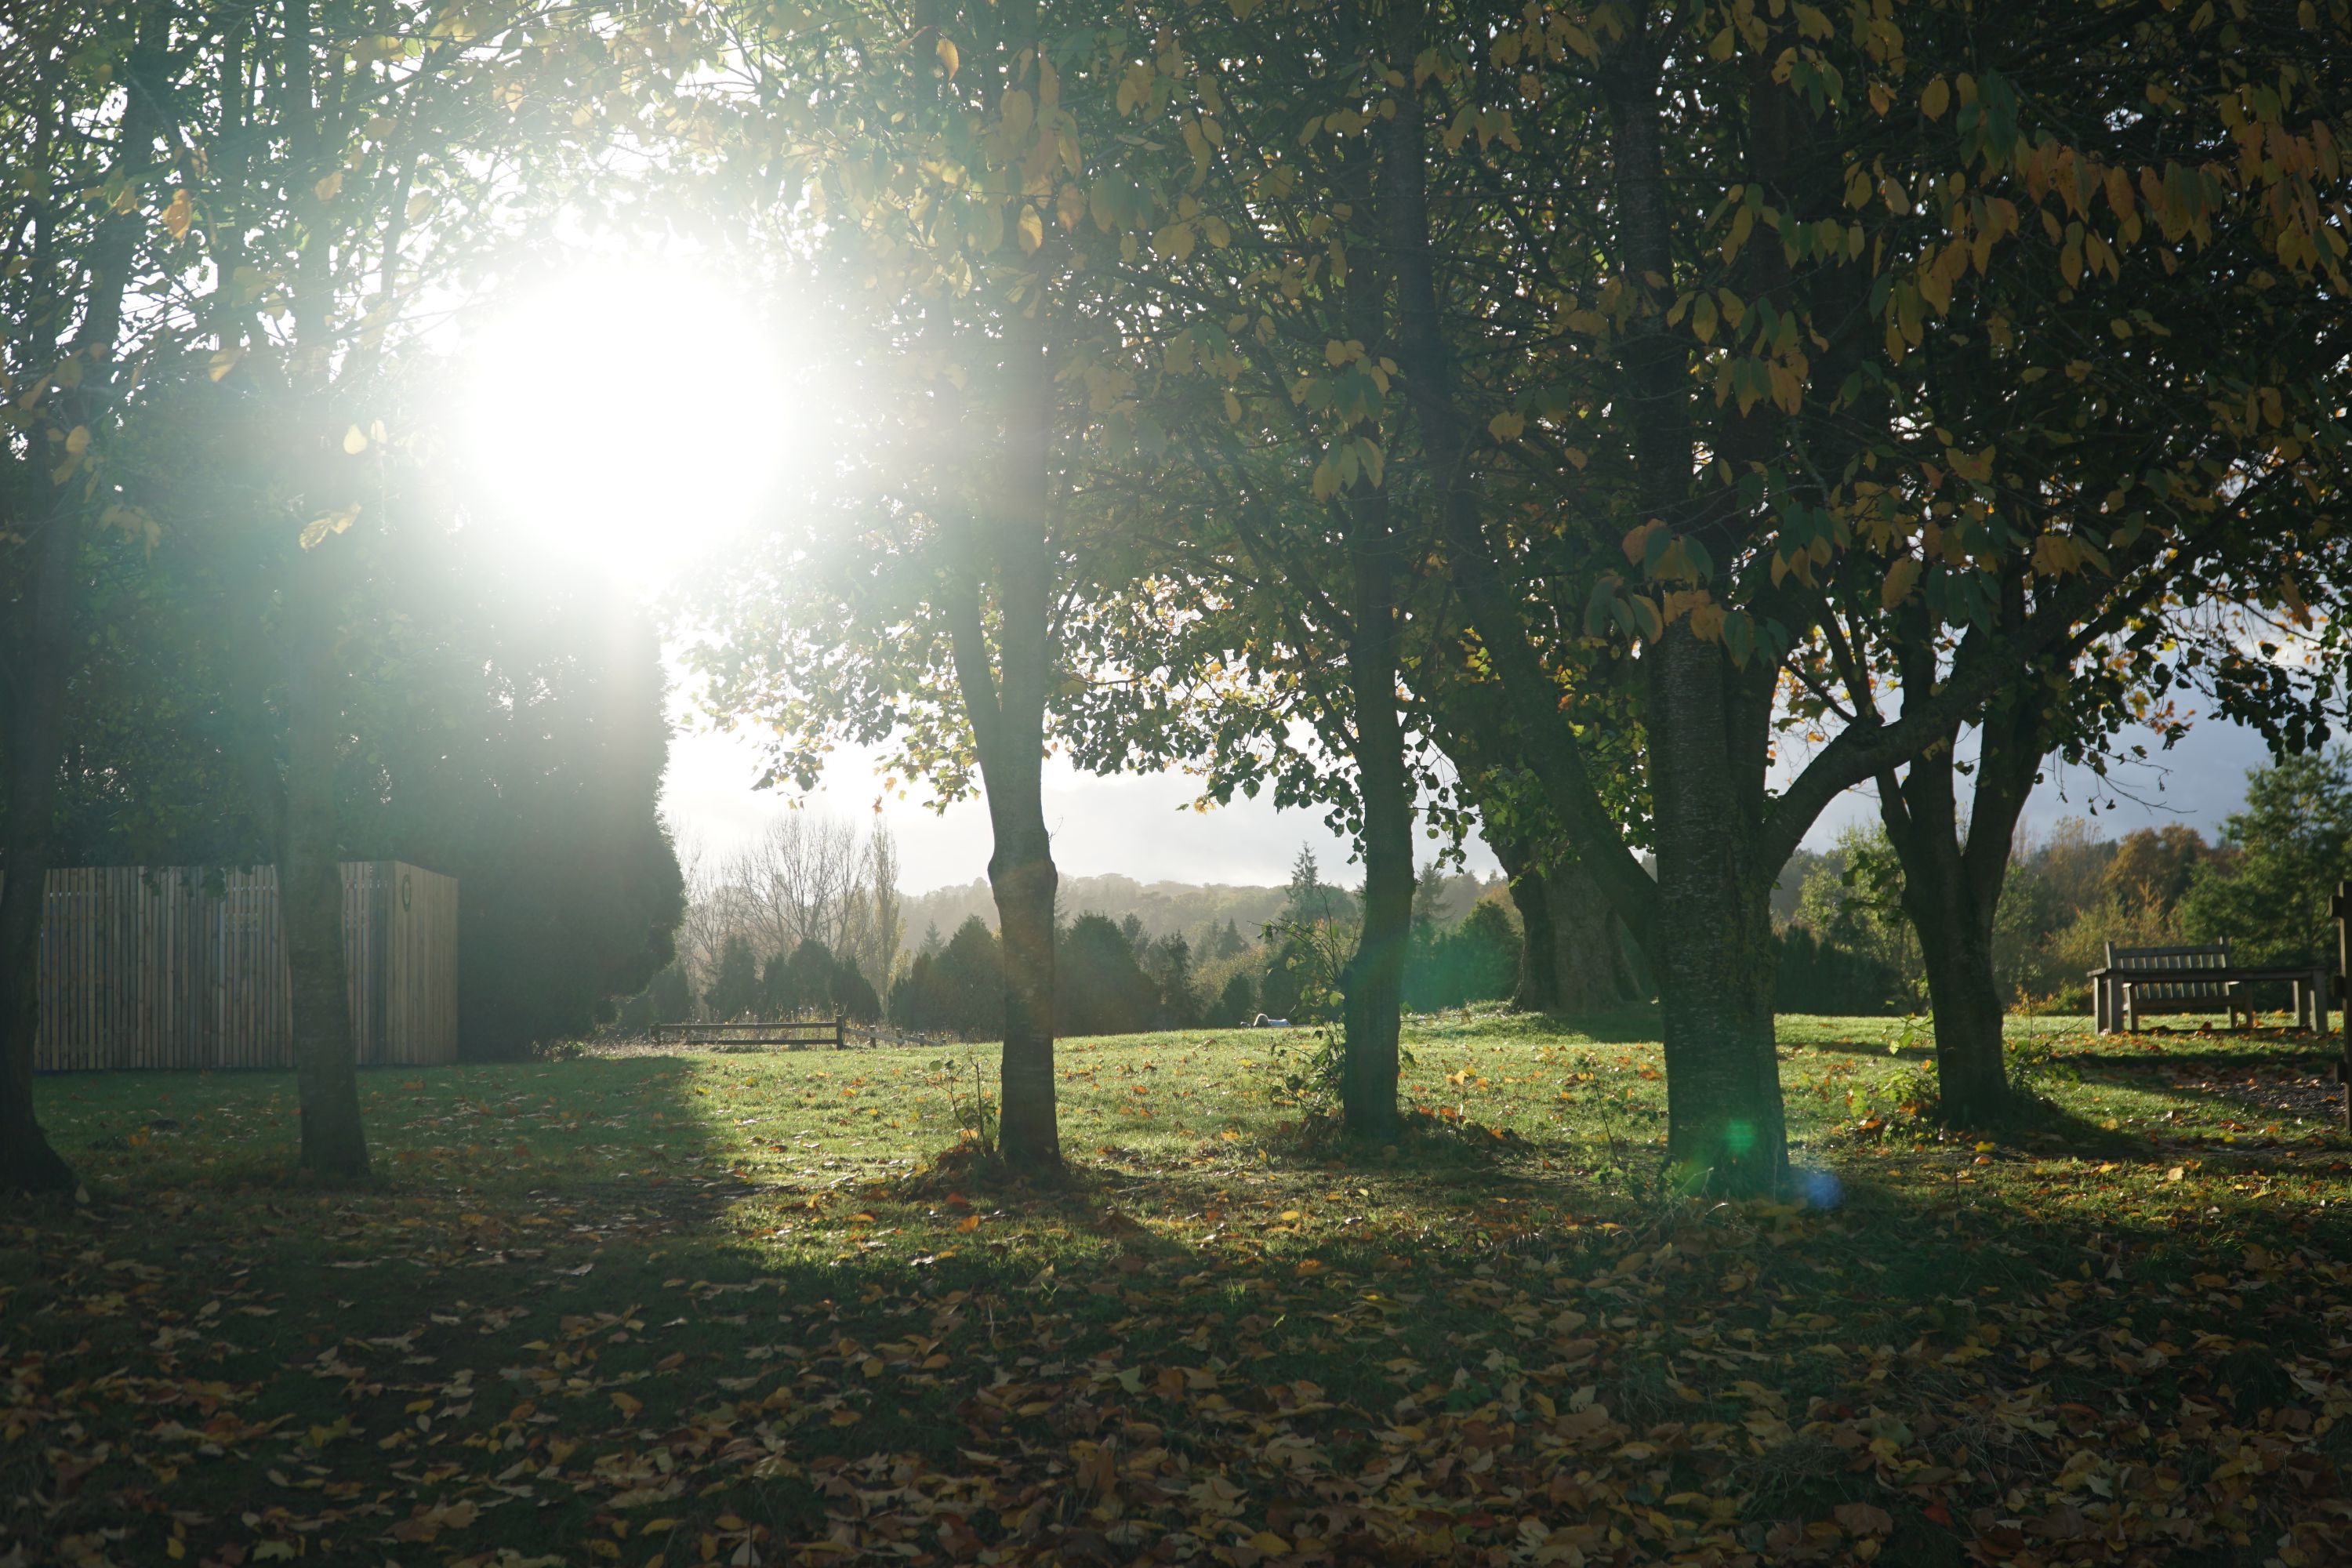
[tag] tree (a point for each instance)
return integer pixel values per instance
(512, 734)
(872, 923)
(301, 253)
(1283, 576)
(2155, 866)
(505, 726)
(2293, 844)
(934, 618)
(1748, 411)
(794, 881)
(1305, 899)
(1237, 1004)
(1103, 989)
(854, 996)
(1477, 960)
(971, 973)
(95, 88)
(1170, 967)
(735, 990)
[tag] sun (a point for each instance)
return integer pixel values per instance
(632, 418)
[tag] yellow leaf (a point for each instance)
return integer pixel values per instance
(2055, 554)
(1900, 579)
(419, 205)
(224, 361)
(628, 1404)
(1030, 227)
(355, 441)
(174, 1549)
(77, 441)
(949, 57)
(177, 216)
(1173, 243)
(1721, 45)
(1507, 427)
(1935, 99)
(327, 189)
(1270, 1543)
(318, 528)
(1637, 543)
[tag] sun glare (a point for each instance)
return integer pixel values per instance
(630, 417)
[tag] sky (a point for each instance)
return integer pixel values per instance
(1144, 828)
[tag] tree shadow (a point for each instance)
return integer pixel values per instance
(662, 1333)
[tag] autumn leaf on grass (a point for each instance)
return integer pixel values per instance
(425, 1523)
(628, 1404)
(1863, 1519)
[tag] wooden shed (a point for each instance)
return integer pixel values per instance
(184, 966)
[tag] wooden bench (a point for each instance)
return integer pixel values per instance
(792, 1034)
(2178, 979)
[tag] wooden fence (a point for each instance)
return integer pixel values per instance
(184, 966)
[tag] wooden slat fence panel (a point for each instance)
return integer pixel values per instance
(183, 967)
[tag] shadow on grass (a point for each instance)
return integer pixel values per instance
(647, 1333)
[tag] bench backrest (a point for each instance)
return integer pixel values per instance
(2184, 960)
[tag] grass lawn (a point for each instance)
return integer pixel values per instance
(713, 1308)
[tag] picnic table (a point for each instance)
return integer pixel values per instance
(2138, 979)
(793, 1033)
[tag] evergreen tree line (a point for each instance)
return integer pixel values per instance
(1113, 977)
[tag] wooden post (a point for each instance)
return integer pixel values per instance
(2341, 909)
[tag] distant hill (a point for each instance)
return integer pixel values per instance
(1192, 910)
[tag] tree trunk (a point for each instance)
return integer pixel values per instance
(1373, 984)
(1725, 1131)
(311, 897)
(1008, 722)
(1572, 950)
(43, 653)
(36, 710)
(1951, 894)
(1971, 1069)
(1020, 873)
(1706, 921)
(1591, 971)
(1539, 987)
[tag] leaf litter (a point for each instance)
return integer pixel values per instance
(763, 1344)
